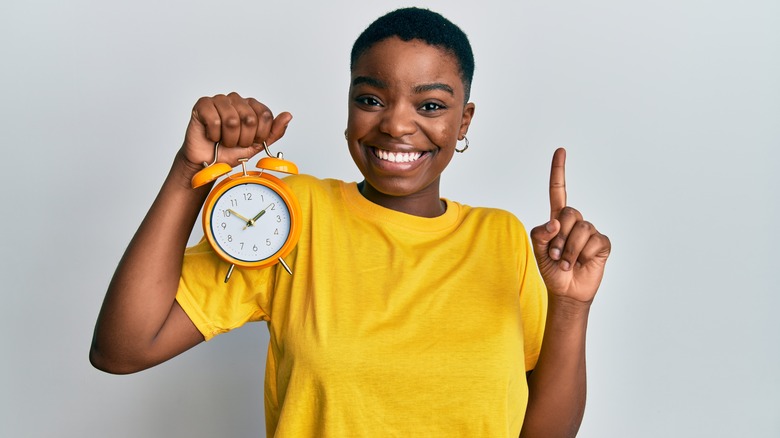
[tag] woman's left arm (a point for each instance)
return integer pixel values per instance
(571, 255)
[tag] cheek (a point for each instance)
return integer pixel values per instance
(359, 122)
(352, 116)
(447, 134)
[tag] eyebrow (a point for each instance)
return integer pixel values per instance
(368, 80)
(434, 86)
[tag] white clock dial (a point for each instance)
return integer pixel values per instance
(250, 222)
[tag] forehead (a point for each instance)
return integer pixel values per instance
(393, 59)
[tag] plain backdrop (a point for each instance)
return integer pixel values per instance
(670, 111)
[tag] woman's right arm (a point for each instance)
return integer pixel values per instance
(141, 324)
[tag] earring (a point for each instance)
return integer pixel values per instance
(465, 146)
(345, 135)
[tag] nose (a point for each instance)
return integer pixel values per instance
(398, 121)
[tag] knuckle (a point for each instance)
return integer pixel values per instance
(231, 121)
(249, 120)
(568, 212)
(585, 226)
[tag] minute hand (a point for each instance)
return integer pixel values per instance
(233, 212)
(251, 222)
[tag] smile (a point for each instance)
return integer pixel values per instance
(397, 157)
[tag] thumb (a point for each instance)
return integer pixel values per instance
(541, 237)
(278, 127)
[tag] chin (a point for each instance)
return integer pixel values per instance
(401, 187)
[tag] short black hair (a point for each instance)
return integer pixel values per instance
(420, 24)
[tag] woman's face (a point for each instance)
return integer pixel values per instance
(406, 115)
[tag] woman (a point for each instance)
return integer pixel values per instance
(408, 314)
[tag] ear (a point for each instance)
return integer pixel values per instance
(465, 121)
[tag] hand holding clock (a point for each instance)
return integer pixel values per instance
(570, 252)
(235, 122)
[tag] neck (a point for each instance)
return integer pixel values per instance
(424, 204)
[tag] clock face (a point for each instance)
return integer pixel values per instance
(250, 222)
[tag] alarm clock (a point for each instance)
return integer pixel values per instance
(251, 218)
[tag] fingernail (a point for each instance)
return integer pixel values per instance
(555, 253)
(565, 265)
(549, 227)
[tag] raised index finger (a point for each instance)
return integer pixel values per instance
(558, 183)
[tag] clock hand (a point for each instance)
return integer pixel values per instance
(233, 212)
(251, 222)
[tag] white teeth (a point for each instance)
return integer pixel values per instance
(398, 157)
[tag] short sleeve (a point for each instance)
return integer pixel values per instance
(217, 307)
(533, 306)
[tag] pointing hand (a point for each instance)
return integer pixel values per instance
(570, 252)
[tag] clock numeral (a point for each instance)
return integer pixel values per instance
(273, 206)
(247, 196)
(267, 242)
(225, 213)
(230, 238)
(242, 245)
(278, 218)
(223, 225)
(254, 248)
(276, 232)
(234, 202)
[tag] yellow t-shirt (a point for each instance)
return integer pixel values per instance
(392, 324)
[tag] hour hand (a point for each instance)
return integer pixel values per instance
(251, 222)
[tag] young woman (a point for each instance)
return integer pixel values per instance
(408, 314)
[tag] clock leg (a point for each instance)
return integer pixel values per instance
(229, 273)
(286, 268)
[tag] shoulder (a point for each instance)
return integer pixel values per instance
(304, 182)
(496, 233)
(495, 225)
(493, 218)
(307, 186)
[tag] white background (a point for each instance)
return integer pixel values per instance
(670, 111)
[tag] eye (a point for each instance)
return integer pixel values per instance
(368, 101)
(431, 106)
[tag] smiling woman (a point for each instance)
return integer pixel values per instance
(406, 101)
(389, 325)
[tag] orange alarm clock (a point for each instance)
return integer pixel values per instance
(251, 219)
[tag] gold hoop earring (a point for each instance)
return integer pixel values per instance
(465, 146)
